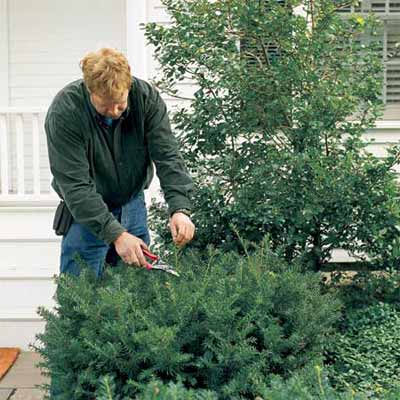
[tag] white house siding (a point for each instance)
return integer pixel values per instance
(29, 254)
(3, 52)
(385, 135)
(47, 38)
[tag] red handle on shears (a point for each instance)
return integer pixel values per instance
(151, 256)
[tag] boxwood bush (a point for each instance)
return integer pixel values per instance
(227, 324)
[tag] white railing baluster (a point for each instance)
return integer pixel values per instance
(19, 125)
(4, 154)
(36, 154)
(17, 157)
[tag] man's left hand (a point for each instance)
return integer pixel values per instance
(182, 228)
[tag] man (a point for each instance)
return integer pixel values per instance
(103, 133)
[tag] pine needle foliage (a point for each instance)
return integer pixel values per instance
(106, 389)
(226, 325)
(157, 390)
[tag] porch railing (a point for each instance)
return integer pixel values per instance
(24, 172)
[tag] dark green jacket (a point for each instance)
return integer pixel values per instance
(93, 177)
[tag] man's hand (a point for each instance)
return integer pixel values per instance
(129, 248)
(182, 228)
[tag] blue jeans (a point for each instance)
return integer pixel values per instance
(79, 240)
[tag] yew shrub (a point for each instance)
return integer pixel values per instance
(227, 325)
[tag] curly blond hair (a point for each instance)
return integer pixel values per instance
(106, 73)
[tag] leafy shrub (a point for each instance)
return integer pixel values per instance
(367, 288)
(226, 325)
(366, 356)
(273, 132)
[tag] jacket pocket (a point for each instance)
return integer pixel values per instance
(62, 219)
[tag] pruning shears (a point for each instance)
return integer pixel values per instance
(157, 263)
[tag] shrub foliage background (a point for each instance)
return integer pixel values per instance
(227, 325)
(273, 132)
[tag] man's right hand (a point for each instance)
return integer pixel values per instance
(129, 248)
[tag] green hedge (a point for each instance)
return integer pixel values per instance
(227, 325)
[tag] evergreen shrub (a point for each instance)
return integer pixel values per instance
(156, 390)
(304, 386)
(295, 388)
(227, 324)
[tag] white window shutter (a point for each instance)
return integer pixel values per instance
(393, 63)
(389, 12)
(382, 6)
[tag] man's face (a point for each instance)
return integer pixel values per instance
(110, 108)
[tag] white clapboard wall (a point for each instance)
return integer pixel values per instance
(29, 253)
(47, 38)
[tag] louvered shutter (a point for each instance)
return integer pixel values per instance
(392, 87)
(252, 52)
(382, 6)
(389, 12)
(377, 6)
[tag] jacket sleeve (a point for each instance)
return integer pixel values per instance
(70, 168)
(175, 180)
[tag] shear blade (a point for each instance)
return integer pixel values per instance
(166, 268)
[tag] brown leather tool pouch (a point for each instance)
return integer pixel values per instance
(62, 219)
